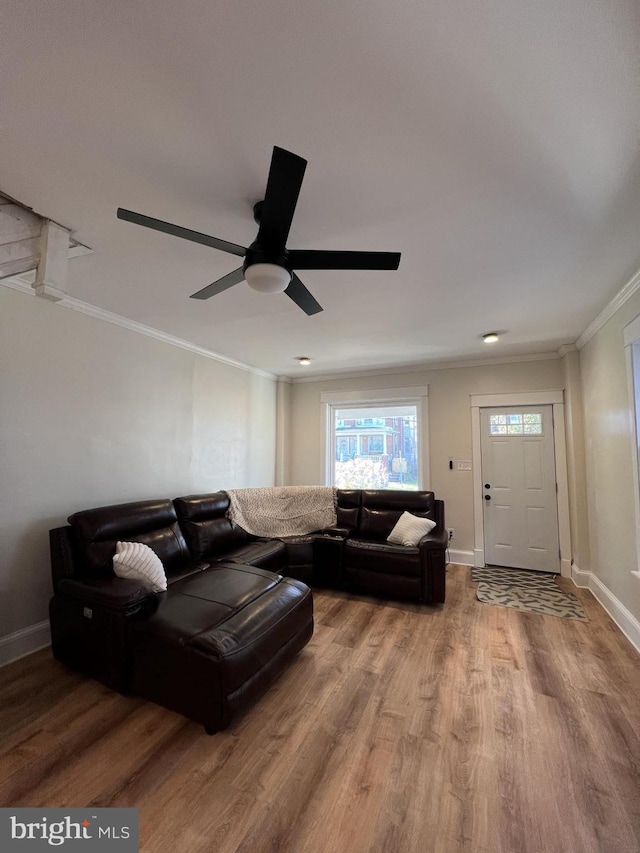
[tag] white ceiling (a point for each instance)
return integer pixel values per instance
(494, 144)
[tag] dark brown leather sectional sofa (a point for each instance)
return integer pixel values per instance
(237, 608)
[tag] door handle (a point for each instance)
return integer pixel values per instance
(487, 497)
(487, 485)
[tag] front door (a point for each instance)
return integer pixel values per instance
(519, 488)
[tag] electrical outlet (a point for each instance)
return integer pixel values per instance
(451, 531)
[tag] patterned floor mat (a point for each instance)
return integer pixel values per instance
(514, 577)
(535, 592)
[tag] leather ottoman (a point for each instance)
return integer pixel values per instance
(217, 639)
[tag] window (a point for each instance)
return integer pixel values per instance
(516, 424)
(375, 438)
(375, 446)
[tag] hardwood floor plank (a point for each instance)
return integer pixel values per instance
(19, 704)
(400, 728)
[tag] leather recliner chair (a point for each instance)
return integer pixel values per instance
(373, 565)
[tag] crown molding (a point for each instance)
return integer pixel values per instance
(435, 365)
(24, 284)
(566, 348)
(610, 309)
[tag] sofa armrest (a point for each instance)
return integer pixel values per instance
(343, 532)
(64, 561)
(114, 593)
(436, 540)
(433, 550)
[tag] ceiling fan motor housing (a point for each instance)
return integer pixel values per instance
(257, 255)
(266, 272)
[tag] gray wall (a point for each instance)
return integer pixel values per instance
(92, 414)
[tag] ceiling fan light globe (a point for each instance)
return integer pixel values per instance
(267, 278)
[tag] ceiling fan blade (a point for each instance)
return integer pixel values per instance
(221, 284)
(301, 296)
(178, 231)
(311, 259)
(281, 196)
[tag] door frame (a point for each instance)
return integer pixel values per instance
(524, 398)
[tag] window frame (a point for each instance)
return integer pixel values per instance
(416, 395)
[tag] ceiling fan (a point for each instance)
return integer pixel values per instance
(268, 265)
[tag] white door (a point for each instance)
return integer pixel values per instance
(519, 488)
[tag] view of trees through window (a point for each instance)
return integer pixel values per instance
(376, 447)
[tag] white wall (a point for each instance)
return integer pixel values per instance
(449, 424)
(576, 472)
(93, 414)
(608, 427)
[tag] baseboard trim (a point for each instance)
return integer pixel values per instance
(624, 619)
(465, 558)
(24, 642)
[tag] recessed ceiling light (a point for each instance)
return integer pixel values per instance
(490, 338)
(304, 360)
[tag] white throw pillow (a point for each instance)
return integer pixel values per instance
(410, 529)
(138, 562)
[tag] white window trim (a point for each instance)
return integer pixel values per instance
(631, 338)
(531, 398)
(417, 395)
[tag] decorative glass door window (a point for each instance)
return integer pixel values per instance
(516, 423)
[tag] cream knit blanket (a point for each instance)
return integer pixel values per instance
(283, 510)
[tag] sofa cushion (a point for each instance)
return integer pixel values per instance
(178, 618)
(246, 641)
(382, 508)
(268, 554)
(348, 507)
(207, 530)
(410, 529)
(153, 523)
(202, 601)
(377, 523)
(138, 562)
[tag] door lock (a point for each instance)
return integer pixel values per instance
(487, 497)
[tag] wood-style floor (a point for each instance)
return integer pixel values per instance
(400, 728)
